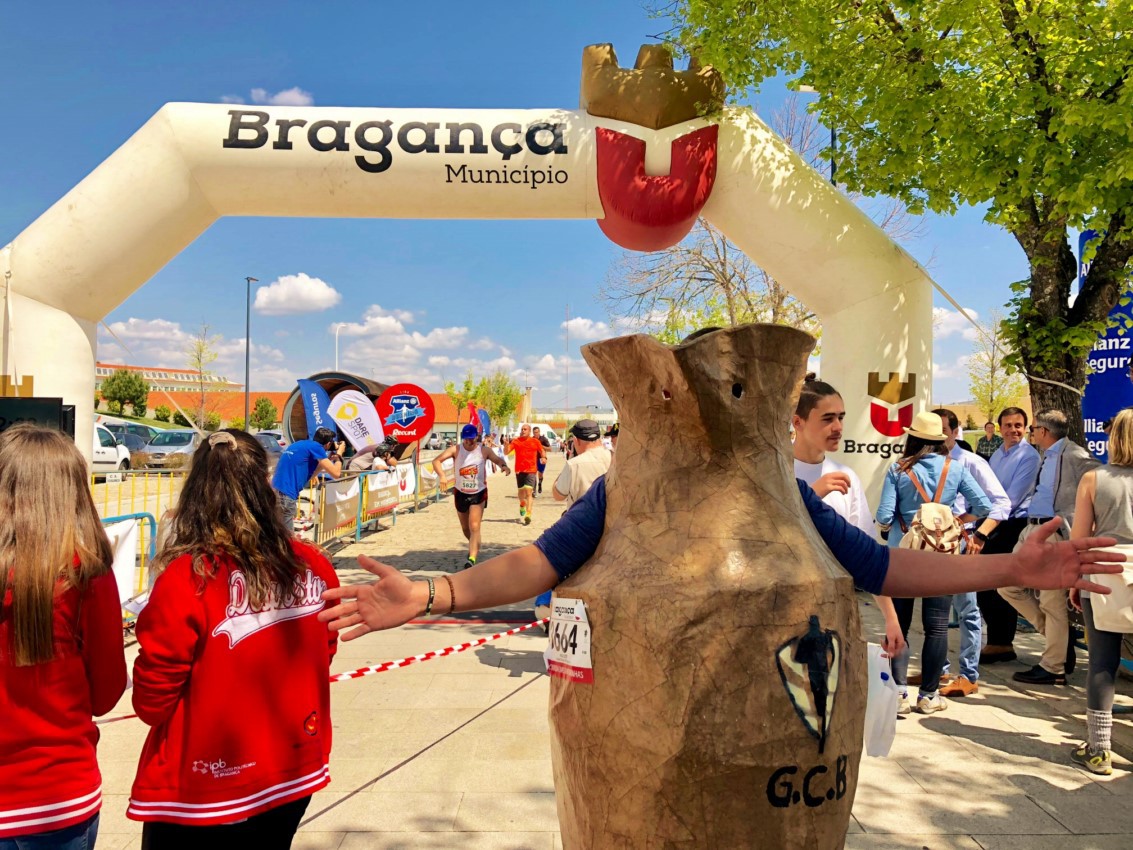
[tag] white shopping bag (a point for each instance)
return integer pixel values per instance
(880, 704)
(1114, 613)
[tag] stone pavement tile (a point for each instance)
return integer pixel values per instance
(424, 696)
(905, 841)
(854, 826)
(885, 776)
(305, 840)
(477, 776)
(513, 812)
(1051, 842)
(505, 746)
(1085, 814)
(383, 811)
(112, 818)
(115, 840)
(972, 715)
(450, 841)
(954, 814)
(505, 719)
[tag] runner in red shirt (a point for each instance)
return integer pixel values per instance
(61, 653)
(529, 453)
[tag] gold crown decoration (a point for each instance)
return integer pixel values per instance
(893, 391)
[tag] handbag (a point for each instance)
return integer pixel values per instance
(1114, 612)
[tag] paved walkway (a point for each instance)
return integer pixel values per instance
(454, 752)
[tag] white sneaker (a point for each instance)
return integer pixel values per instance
(931, 705)
(903, 704)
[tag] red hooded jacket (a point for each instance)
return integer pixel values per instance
(238, 697)
(49, 775)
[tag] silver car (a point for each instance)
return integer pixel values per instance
(172, 449)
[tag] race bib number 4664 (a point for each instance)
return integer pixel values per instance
(568, 653)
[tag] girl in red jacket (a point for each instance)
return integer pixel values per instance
(233, 672)
(61, 655)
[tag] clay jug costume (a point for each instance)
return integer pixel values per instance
(729, 679)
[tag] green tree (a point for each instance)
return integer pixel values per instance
(463, 394)
(114, 406)
(126, 387)
(236, 422)
(499, 395)
(161, 413)
(201, 353)
(212, 421)
(179, 419)
(993, 383)
(1020, 106)
(970, 423)
(264, 414)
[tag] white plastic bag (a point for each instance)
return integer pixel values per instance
(880, 704)
(1114, 613)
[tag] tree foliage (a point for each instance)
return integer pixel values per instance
(993, 383)
(1019, 105)
(497, 393)
(161, 413)
(126, 386)
(201, 353)
(460, 396)
(264, 414)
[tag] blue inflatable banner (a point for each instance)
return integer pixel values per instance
(1109, 387)
(316, 404)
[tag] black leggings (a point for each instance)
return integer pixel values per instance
(270, 830)
(1105, 658)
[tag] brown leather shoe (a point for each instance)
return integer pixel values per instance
(959, 687)
(995, 654)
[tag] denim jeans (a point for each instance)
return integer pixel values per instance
(971, 636)
(934, 620)
(81, 836)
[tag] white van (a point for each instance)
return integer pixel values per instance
(108, 455)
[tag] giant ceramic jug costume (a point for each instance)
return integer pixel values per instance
(728, 670)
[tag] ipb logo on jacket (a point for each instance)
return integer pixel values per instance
(891, 397)
(808, 667)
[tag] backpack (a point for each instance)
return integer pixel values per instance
(934, 525)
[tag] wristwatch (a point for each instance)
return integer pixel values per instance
(980, 536)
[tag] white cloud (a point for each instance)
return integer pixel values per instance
(295, 293)
(947, 322)
(293, 96)
(956, 369)
(584, 330)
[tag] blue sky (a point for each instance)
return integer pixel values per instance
(422, 300)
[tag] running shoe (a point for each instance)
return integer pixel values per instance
(903, 705)
(527, 520)
(931, 705)
(1095, 761)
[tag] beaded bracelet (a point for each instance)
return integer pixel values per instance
(432, 596)
(452, 594)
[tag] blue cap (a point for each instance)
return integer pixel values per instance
(469, 432)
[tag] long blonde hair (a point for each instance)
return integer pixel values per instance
(1121, 439)
(47, 521)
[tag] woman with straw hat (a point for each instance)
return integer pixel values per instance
(924, 468)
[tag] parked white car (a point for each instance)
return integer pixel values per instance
(108, 455)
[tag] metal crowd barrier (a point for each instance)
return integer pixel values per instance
(142, 491)
(146, 547)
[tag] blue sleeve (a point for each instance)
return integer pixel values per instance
(572, 540)
(863, 557)
(317, 452)
(978, 502)
(887, 507)
(1026, 476)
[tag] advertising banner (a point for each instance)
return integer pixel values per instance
(382, 492)
(357, 418)
(315, 404)
(341, 504)
(1108, 387)
(407, 412)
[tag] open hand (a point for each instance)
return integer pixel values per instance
(390, 601)
(894, 641)
(1052, 566)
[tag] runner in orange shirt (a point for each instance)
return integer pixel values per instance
(529, 453)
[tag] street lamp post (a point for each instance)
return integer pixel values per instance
(248, 354)
(337, 328)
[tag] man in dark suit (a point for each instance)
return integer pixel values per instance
(1063, 465)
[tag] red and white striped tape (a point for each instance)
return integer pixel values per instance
(440, 653)
(391, 665)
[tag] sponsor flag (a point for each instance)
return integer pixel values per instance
(357, 418)
(315, 404)
(485, 422)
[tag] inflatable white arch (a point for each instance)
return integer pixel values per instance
(193, 163)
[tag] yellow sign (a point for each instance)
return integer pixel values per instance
(24, 389)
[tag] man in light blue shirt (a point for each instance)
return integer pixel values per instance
(1015, 465)
(1063, 465)
(966, 605)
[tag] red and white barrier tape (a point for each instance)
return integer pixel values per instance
(440, 653)
(391, 665)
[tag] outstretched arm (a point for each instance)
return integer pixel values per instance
(394, 599)
(1037, 563)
